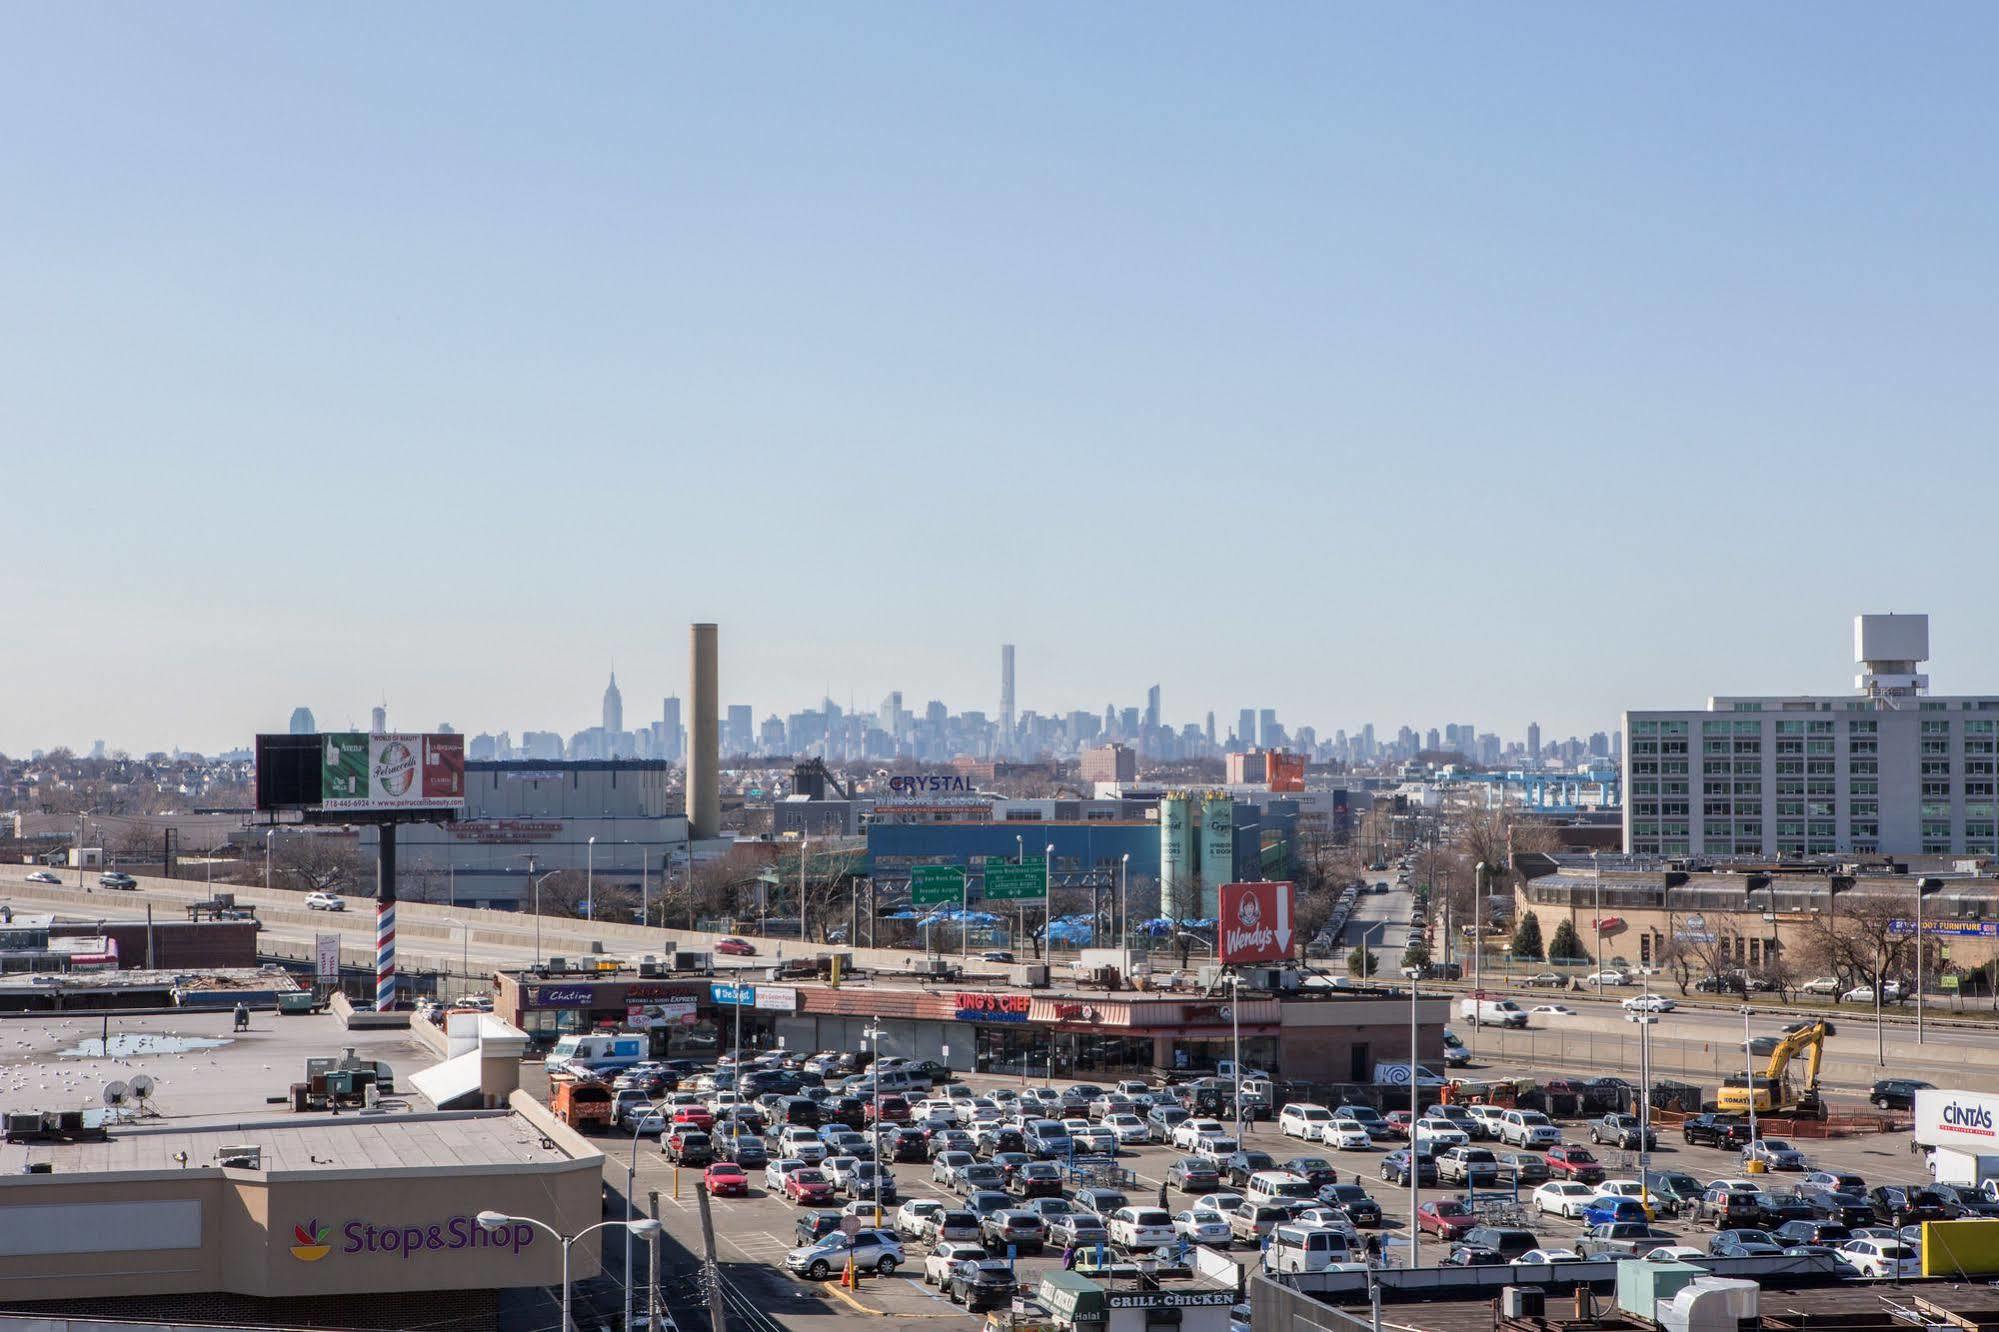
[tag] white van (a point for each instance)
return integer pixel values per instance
(1308, 1249)
(1492, 1013)
(1303, 1120)
(1267, 1186)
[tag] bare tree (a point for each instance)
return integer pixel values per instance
(319, 863)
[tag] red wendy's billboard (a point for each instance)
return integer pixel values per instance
(1255, 922)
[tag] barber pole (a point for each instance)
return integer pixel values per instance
(385, 956)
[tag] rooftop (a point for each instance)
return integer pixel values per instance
(309, 1142)
(221, 978)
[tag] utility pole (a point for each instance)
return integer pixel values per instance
(711, 1276)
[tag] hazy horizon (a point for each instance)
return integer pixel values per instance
(1390, 365)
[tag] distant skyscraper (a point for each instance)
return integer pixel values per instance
(1006, 716)
(614, 708)
(302, 722)
(1433, 742)
(1211, 726)
(1245, 728)
(378, 719)
(1266, 730)
(1534, 740)
(1152, 707)
(738, 729)
(669, 709)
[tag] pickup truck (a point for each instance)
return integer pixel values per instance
(1623, 1239)
(1476, 1166)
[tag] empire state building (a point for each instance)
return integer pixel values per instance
(614, 710)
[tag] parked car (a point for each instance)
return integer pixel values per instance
(1078, 1228)
(1141, 1228)
(1619, 1239)
(1565, 1160)
(1623, 1131)
(1314, 1170)
(688, 1146)
(1507, 1241)
(1743, 1243)
(1037, 1179)
(1520, 1168)
(1774, 1153)
(808, 1187)
(1905, 1204)
(1474, 1255)
(980, 1284)
(1446, 1218)
(1239, 1166)
(1528, 1129)
(937, 1264)
(1193, 1174)
(1013, 1228)
(1355, 1201)
(1395, 1166)
(1712, 1130)
(1882, 1258)
(1475, 1167)
(869, 1249)
(1562, 1197)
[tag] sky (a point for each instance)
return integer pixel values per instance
(1372, 363)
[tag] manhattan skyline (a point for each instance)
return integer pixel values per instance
(1323, 359)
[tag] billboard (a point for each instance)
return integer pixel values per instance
(1286, 772)
(1255, 922)
(364, 772)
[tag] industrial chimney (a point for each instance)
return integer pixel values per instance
(704, 795)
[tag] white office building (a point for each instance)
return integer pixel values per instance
(1888, 770)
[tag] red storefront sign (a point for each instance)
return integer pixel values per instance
(1013, 1006)
(1255, 923)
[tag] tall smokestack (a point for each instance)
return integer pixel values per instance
(704, 794)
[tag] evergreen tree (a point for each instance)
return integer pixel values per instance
(1527, 938)
(1417, 954)
(1566, 946)
(1363, 960)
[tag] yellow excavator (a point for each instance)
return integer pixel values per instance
(1772, 1093)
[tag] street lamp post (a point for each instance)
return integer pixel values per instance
(590, 879)
(1047, 901)
(1924, 887)
(645, 908)
(269, 833)
(631, 1186)
(1749, 1071)
(646, 1226)
(1124, 908)
(1478, 892)
(1415, 1174)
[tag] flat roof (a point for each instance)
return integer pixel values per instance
(248, 979)
(309, 1143)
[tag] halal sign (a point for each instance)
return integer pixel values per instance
(1255, 922)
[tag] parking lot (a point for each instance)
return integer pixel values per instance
(754, 1233)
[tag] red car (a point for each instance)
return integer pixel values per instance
(695, 1116)
(724, 1178)
(1447, 1218)
(736, 948)
(808, 1186)
(1398, 1123)
(1577, 1163)
(891, 1109)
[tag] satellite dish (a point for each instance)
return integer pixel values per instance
(142, 1085)
(114, 1093)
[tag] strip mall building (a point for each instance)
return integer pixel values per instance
(989, 1027)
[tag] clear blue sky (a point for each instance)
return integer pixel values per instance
(1382, 363)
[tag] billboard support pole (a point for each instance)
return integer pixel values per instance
(385, 919)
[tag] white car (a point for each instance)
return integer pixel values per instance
(1094, 1139)
(775, 1172)
(1440, 1133)
(937, 1267)
(43, 876)
(1562, 1197)
(912, 1218)
(1304, 1120)
(1187, 1134)
(1649, 1003)
(1347, 1135)
(1130, 1129)
(841, 1169)
(1218, 1204)
(1543, 1257)
(1553, 1010)
(1328, 1218)
(1882, 1258)
(1141, 1228)
(1201, 1227)
(1610, 977)
(1674, 1253)
(325, 902)
(1628, 1188)
(1217, 1147)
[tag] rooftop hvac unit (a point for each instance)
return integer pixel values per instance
(1522, 1302)
(1208, 975)
(558, 964)
(596, 945)
(1034, 975)
(241, 1157)
(649, 966)
(1716, 1304)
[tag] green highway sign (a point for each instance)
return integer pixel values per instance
(1010, 881)
(931, 884)
(1948, 980)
